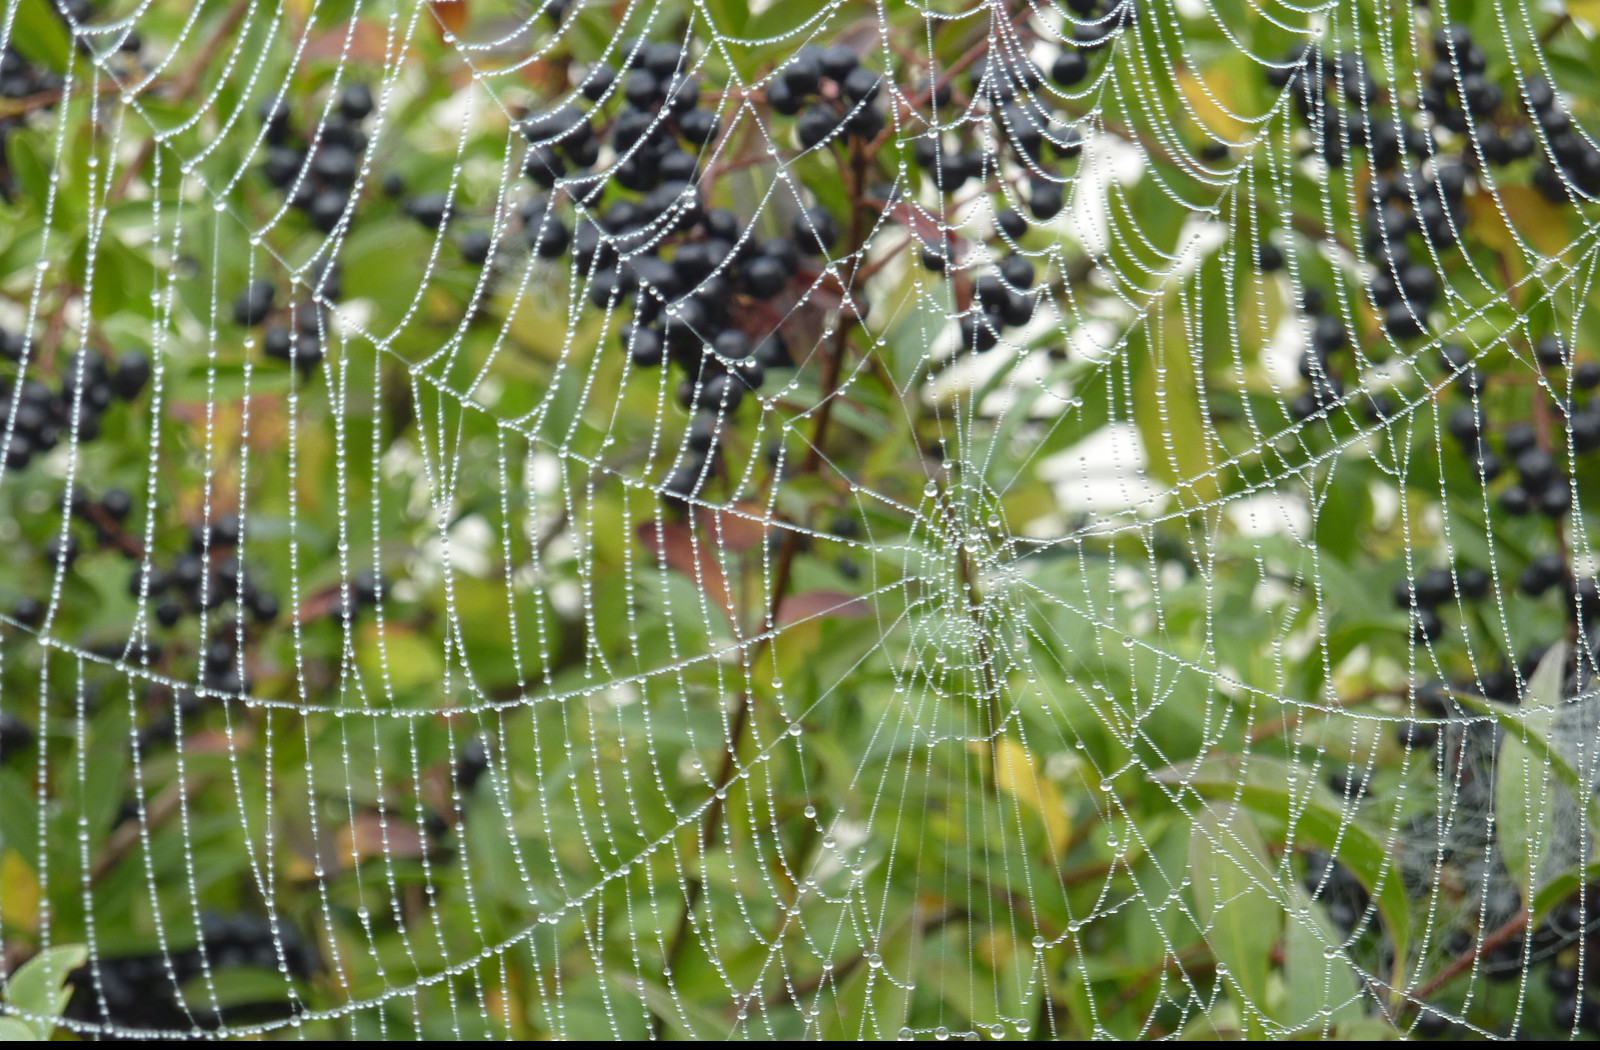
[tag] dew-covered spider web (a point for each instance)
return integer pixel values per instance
(798, 519)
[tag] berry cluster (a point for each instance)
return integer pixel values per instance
(694, 279)
(1434, 589)
(1002, 297)
(1414, 216)
(16, 736)
(143, 991)
(1027, 125)
(299, 341)
(840, 91)
(37, 418)
(1541, 483)
(1577, 158)
(319, 175)
(22, 79)
(207, 576)
(1575, 921)
(1031, 134)
(1334, 885)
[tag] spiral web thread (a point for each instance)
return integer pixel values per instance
(904, 809)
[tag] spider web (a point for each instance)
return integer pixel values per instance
(1043, 688)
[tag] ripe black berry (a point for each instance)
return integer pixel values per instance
(782, 98)
(698, 126)
(16, 736)
(431, 210)
(861, 85)
(327, 208)
(1473, 583)
(1016, 309)
(1552, 351)
(1555, 499)
(815, 231)
(1431, 1024)
(544, 165)
(771, 353)
(642, 89)
(1069, 68)
(1435, 587)
(254, 303)
(148, 576)
(336, 164)
(704, 433)
(803, 73)
(367, 587)
(646, 347)
(1426, 626)
(837, 62)
(1045, 199)
(1017, 271)
(117, 504)
(1536, 467)
(597, 84)
(979, 332)
(61, 555)
(816, 125)
(719, 393)
(471, 764)
(262, 606)
(663, 58)
(1544, 572)
(475, 246)
(682, 484)
(274, 113)
(1402, 320)
(28, 611)
(133, 371)
(549, 237)
(1416, 736)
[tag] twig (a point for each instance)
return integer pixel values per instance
(181, 89)
(741, 714)
(1518, 923)
(127, 834)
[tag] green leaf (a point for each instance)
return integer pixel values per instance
(1290, 794)
(1528, 774)
(40, 35)
(13, 1030)
(1170, 412)
(874, 1001)
(1323, 988)
(1523, 792)
(728, 17)
(1530, 729)
(30, 173)
(39, 988)
(1521, 804)
(1237, 898)
(1558, 888)
(681, 1016)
